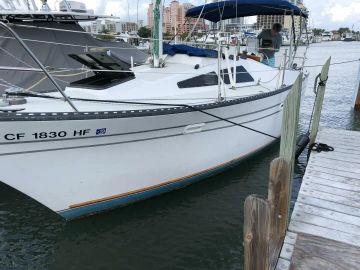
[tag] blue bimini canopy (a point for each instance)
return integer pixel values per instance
(224, 10)
(191, 51)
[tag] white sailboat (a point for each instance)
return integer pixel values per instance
(326, 36)
(348, 37)
(130, 132)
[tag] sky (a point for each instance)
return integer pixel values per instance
(327, 14)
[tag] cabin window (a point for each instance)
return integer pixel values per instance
(110, 70)
(242, 76)
(208, 79)
(211, 79)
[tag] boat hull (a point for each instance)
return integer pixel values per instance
(83, 166)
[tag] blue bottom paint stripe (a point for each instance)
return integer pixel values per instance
(90, 209)
(110, 204)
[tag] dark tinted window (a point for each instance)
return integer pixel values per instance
(242, 75)
(208, 79)
(211, 78)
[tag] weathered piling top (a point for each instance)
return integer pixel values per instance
(324, 231)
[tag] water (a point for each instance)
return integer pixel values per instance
(199, 227)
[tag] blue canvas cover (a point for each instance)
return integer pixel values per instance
(224, 10)
(189, 50)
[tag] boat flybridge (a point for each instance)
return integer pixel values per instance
(126, 132)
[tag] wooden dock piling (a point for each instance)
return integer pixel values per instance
(256, 233)
(278, 197)
(319, 100)
(357, 93)
(289, 129)
(265, 220)
(268, 243)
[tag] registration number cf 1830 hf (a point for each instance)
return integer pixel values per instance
(43, 135)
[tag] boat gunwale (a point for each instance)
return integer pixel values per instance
(56, 116)
(6, 116)
(154, 130)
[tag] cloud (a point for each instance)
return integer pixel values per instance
(329, 14)
(125, 9)
(341, 13)
(334, 14)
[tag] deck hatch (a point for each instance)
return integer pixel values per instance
(103, 60)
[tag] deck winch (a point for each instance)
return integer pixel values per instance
(11, 100)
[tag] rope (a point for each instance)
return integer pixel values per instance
(109, 47)
(317, 147)
(52, 29)
(321, 147)
(272, 78)
(5, 85)
(177, 34)
(60, 75)
(8, 83)
(197, 21)
(313, 108)
(69, 44)
(16, 58)
(127, 71)
(36, 84)
(150, 104)
(336, 63)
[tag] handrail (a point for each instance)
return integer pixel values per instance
(42, 67)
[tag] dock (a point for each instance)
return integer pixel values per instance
(324, 230)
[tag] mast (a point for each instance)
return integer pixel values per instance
(157, 48)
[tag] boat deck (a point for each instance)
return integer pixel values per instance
(324, 231)
(160, 86)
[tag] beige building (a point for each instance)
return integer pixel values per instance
(297, 24)
(150, 16)
(174, 20)
(114, 26)
(267, 21)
